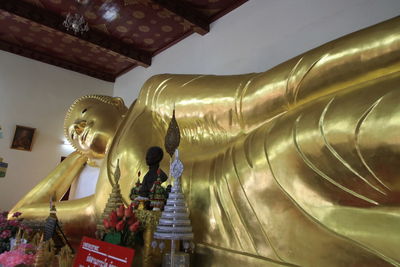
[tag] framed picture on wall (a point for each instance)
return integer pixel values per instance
(23, 138)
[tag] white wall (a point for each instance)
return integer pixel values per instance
(259, 35)
(36, 95)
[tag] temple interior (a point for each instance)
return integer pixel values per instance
(225, 89)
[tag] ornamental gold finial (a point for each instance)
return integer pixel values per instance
(117, 173)
(114, 201)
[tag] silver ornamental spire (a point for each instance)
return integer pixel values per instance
(176, 168)
(174, 223)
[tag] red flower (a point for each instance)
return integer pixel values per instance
(17, 214)
(134, 227)
(106, 223)
(132, 219)
(128, 212)
(113, 219)
(120, 225)
(120, 211)
(158, 172)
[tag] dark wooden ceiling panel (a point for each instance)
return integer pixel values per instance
(123, 33)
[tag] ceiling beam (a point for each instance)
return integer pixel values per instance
(54, 21)
(26, 52)
(187, 12)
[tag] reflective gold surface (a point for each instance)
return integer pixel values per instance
(294, 166)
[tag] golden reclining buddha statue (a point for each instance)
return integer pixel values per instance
(297, 165)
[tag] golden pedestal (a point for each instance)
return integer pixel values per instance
(146, 256)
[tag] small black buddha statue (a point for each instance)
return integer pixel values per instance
(154, 156)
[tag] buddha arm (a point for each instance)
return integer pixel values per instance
(55, 184)
(240, 103)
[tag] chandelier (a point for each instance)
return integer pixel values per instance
(76, 22)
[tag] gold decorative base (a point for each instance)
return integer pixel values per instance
(146, 256)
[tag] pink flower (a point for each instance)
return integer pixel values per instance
(14, 223)
(5, 234)
(16, 257)
(17, 214)
(24, 247)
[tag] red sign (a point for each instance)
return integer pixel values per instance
(94, 252)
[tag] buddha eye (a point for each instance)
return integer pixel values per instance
(83, 111)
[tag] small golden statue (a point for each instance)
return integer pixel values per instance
(114, 201)
(65, 257)
(45, 254)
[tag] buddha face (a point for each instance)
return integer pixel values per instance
(91, 126)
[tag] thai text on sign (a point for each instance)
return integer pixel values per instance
(94, 252)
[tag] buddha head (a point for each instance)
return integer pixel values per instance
(154, 155)
(91, 123)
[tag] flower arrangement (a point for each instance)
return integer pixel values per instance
(158, 194)
(8, 229)
(24, 254)
(135, 192)
(121, 226)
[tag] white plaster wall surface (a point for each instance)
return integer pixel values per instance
(259, 35)
(85, 184)
(36, 95)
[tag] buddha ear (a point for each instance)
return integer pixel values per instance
(119, 104)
